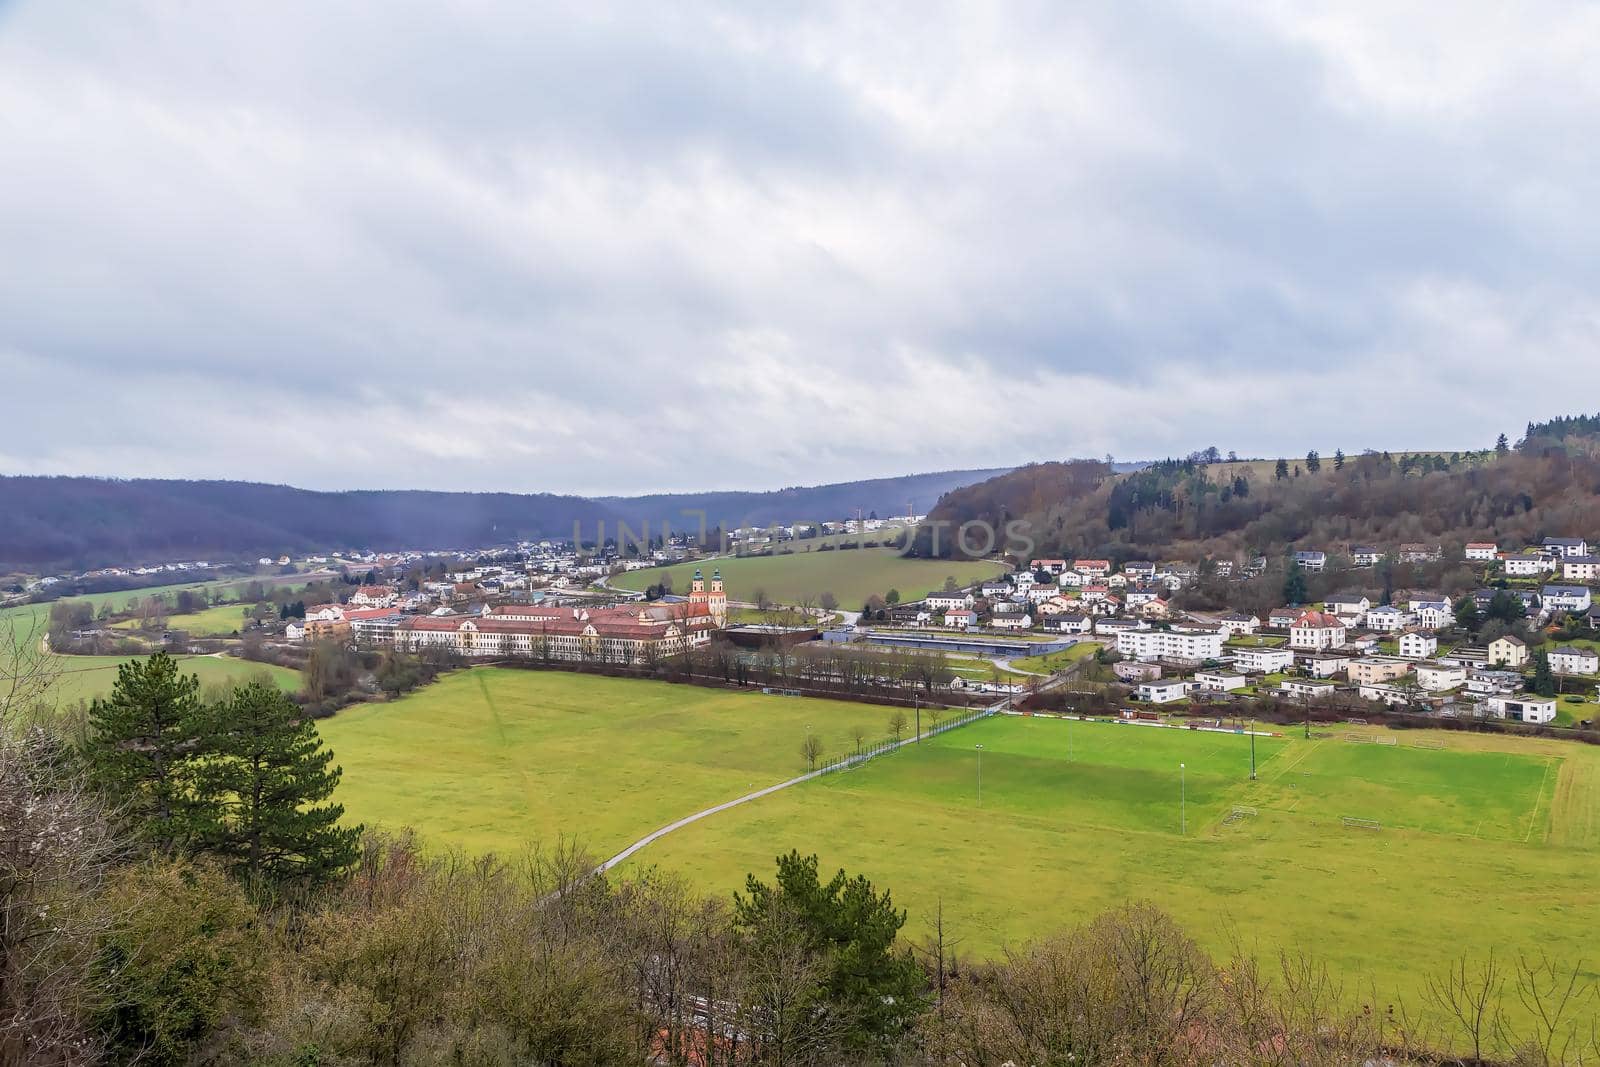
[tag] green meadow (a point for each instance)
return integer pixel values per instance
(852, 575)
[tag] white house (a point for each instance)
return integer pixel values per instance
(1566, 546)
(1347, 604)
(374, 596)
(1434, 615)
(1168, 644)
(294, 631)
(1418, 646)
(1389, 694)
(1386, 619)
(1570, 660)
(1322, 665)
(1523, 708)
(1487, 550)
(1219, 681)
(1365, 555)
(1010, 622)
(1038, 594)
(1163, 690)
(949, 601)
(1581, 569)
(1238, 624)
(961, 618)
(1573, 598)
(1316, 631)
(1263, 660)
(1070, 623)
(1436, 678)
(1307, 688)
(1529, 565)
(1311, 561)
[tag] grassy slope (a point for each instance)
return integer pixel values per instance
(221, 620)
(494, 759)
(851, 575)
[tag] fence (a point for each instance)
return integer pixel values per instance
(880, 748)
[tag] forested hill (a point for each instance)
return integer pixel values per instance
(49, 524)
(1548, 485)
(883, 496)
(62, 524)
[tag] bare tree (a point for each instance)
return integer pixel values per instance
(28, 669)
(811, 750)
(859, 735)
(897, 724)
(1470, 997)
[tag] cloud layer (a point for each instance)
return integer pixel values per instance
(631, 248)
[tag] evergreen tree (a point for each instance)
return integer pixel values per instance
(1241, 487)
(1294, 585)
(1313, 461)
(1544, 680)
(138, 750)
(1338, 459)
(1501, 446)
(1282, 471)
(263, 776)
(1467, 614)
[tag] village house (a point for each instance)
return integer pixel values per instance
(961, 618)
(1347, 604)
(1135, 671)
(1238, 624)
(1282, 618)
(1527, 565)
(1050, 566)
(628, 634)
(1415, 553)
(1155, 609)
(1325, 665)
(1316, 631)
(1570, 598)
(1566, 546)
(1040, 593)
(1219, 681)
(1069, 623)
(958, 601)
(1434, 614)
(1386, 618)
(1494, 683)
(1365, 555)
(1097, 568)
(1311, 560)
(1570, 660)
(1437, 678)
(1308, 689)
(1011, 622)
(1581, 569)
(1389, 694)
(1372, 670)
(1163, 690)
(1263, 660)
(1508, 650)
(1418, 646)
(1522, 708)
(1139, 569)
(1482, 550)
(1136, 597)
(374, 596)
(994, 588)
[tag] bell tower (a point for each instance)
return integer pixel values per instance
(717, 601)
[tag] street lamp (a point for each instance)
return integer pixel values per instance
(980, 775)
(1252, 750)
(1183, 802)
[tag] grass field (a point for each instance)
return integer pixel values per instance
(1052, 661)
(851, 575)
(493, 759)
(220, 620)
(1487, 843)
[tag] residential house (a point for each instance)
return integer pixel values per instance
(1011, 622)
(1316, 631)
(1347, 604)
(1163, 690)
(1155, 609)
(1581, 569)
(1097, 568)
(1311, 560)
(1325, 665)
(1483, 598)
(1418, 646)
(1040, 593)
(1417, 553)
(1365, 555)
(1570, 598)
(1437, 678)
(1170, 645)
(1068, 623)
(1282, 618)
(961, 618)
(1570, 660)
(1308, 689)
(1117, 626)
(1049, 566)
(1523, 708)
(910, 615)
(1056, 605)
(1373, 670)
(994, 589)
(1139, 569)
(1139, 597)
(1238, 624)
(1529, 565)
(1219, 681)
(1387, 619)
(1468, 656)
(1434, 614)
(1263, 660)
(1130, 670)
(958, 601)
(374, 596)
(1492, 683)
(1508, 650)
(1483, 550)
(1566, 546)
(1392, 695)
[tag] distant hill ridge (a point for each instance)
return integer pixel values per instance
(67, 523)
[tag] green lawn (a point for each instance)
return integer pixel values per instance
(1490, 843)
(1056, 660)
(221, 620)
(494, 759)
(851, 575)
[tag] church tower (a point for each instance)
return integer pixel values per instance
(699, 584)
(717, 600)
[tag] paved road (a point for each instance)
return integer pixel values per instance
(656, 835)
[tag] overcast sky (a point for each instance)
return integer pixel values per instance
(673, 246)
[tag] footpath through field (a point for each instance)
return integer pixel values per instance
(687, 820)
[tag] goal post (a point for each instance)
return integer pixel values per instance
(1353, 823)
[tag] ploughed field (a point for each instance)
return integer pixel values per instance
(1482, 843)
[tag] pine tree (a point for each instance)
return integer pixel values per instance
(1283, 469)
(1501, 446)
(1467, 614)
(1338, 459)
(139, 746)
(1294, 585)
(1544, 680)
(263, 775)
(1313, 461)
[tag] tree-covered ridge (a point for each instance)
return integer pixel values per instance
(1563, 430)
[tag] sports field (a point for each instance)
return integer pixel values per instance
(851, 575)
(493, 758)
(1483, 843)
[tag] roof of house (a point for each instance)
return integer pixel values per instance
(1317, 619)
